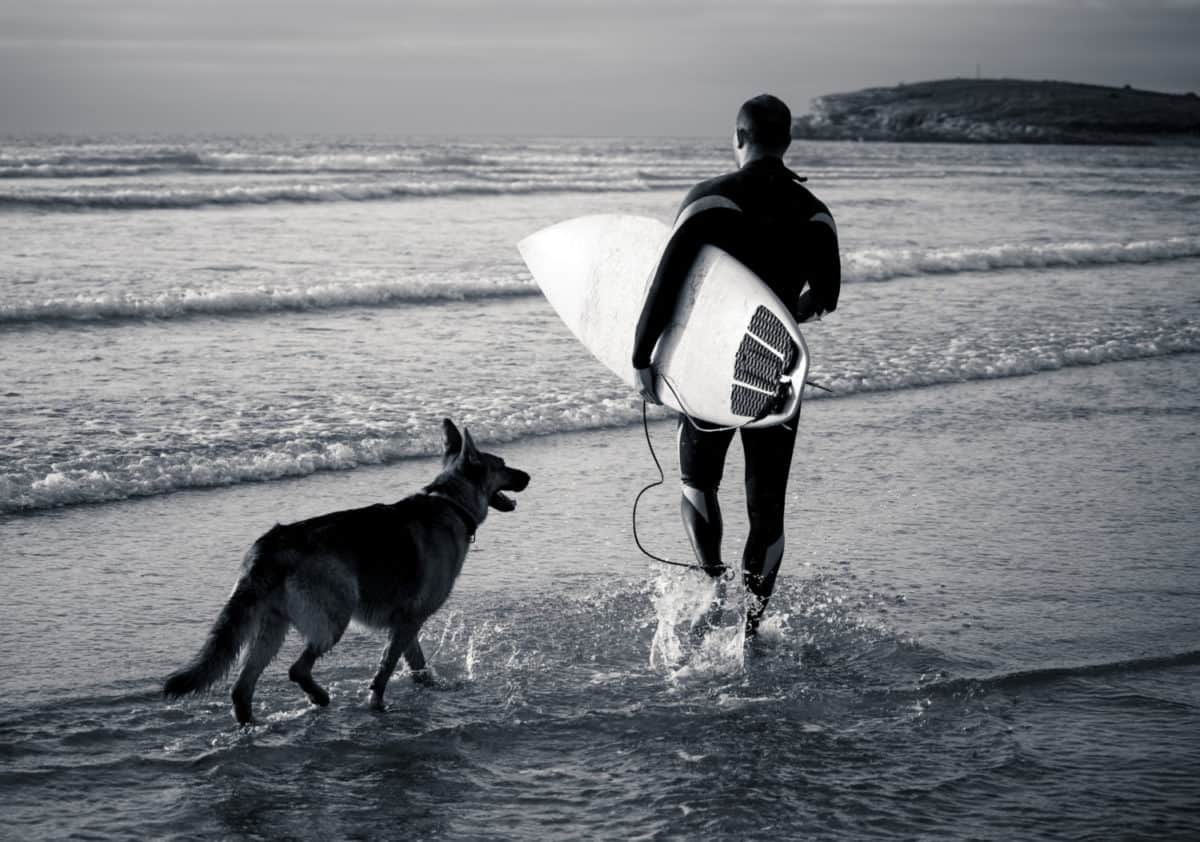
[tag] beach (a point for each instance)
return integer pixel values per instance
(986, 620)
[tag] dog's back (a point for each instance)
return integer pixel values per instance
(393, 561)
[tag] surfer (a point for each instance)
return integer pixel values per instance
(762, 215)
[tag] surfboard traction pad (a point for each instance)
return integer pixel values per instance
(765, 354)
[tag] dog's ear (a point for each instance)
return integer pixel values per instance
(469, 454)
(452, 440)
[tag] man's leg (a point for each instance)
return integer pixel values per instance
(768, 463)
(701, 464)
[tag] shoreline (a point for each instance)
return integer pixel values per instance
(892, 486)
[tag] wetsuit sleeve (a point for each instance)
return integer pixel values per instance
(723, 226)
(824, 268)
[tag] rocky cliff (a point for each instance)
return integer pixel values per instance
(1004, 111)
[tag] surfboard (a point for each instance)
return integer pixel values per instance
(732, 354)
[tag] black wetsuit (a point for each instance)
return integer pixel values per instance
(762, 215)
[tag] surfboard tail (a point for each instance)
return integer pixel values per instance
(769, 370)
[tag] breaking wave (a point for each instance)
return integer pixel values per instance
(886, 264)
(184, 197)
(235, 302)
(102, 476)
(858, 266)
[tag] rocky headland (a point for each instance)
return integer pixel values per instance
(1004, 111)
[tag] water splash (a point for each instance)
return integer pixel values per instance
(701, 628)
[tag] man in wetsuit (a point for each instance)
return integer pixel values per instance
(763, 216)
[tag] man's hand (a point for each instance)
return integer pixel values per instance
(646, 382)
(806, 307)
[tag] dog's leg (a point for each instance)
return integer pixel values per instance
(271, 632)
(416, 662)
(320, 601)
(301, 673)
(414, 655)
(403, 640)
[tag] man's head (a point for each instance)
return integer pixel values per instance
(764, 129)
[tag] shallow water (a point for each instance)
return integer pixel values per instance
(985, 625)
(941, 659)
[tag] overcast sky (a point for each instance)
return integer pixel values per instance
(620, 67)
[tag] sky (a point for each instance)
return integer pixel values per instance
(541, 67)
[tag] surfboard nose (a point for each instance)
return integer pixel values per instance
(560, 251)
(593, 270)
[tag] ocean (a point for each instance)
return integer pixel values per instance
(987, 624)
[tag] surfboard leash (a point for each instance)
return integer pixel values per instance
(662, 477)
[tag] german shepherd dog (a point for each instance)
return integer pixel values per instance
(388, 566)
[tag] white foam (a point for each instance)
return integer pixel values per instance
(977, 361)
(235, 301)
(147, 198)
(875, 265)
(886, 264)
(95, 476)
(701, 626)
(30, 487)
(112, 471)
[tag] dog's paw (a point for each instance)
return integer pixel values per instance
(376, 701)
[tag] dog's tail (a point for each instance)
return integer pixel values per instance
(234, 627)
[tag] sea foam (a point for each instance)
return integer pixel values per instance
(858, 266)
(104, 475)
(886, 264)
(143, 198)
(232, 301)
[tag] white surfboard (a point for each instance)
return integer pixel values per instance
(732, 354)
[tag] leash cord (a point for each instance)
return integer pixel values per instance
(662, 477)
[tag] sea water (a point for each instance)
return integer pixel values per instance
(985, 626)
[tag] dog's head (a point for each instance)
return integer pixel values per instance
(487, 471)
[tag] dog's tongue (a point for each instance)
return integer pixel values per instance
(502, 502)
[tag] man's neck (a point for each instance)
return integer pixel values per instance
(755, 154)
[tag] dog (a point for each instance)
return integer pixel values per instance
(388, 566)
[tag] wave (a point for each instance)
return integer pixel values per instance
(186, 180)
(1096, 348)
(306, 193)
(76, 170)
(886, 264)
(1181, 195)
(236, 302)
(69, 163)
(859, 266)
(117, 476)
(239, 163)
(167, 472)
(694, 162)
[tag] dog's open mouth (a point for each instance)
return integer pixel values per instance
(514, 481)
(502, 502)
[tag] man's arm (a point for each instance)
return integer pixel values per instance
(824, 268)
(716, 225)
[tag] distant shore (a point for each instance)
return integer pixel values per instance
(1004, 111)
